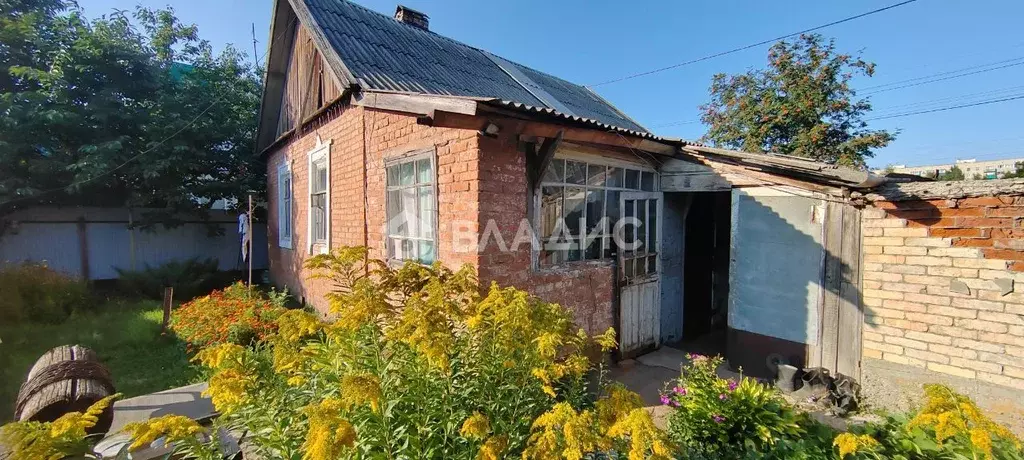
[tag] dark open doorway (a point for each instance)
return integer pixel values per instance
(706, 272)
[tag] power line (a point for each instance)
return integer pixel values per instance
(754, 45)
(943, 109)
(943, 78)
(1012, 90)
(144, 152)
(941, 74)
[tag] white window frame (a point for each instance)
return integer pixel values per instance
(411, 157)
(595, 160)
(284, 171)
(322, 151)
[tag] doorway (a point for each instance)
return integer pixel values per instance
(705, 272)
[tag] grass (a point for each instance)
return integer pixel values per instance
(125, 335)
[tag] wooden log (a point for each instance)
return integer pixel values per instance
(68, 378)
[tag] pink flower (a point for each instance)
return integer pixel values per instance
(722, 396)
(665, 399)
(718, 418)
(733, 385)
(679, 391)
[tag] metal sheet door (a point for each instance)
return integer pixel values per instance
(638, 233)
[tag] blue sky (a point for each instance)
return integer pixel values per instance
(592, 41)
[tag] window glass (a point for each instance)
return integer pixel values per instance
(575, 172)
(551, 210)
(412, 210)
(555, 171)
(595, 210)
(632, 179)
(596, 175)
(648, 182)
(575, 198)
(615, 177)
(318, 202)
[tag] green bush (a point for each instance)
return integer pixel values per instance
(35, 292)
(189, 278)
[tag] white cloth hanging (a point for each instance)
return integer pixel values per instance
(244, 234)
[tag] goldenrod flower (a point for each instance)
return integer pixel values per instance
(294, 325)
(360, 389)
(606, 340)
(646, 441)
(849, 443)
(328, 432)
(173, 427)
(227, 389)
(951, 414)
(616, 405)
(493, 448)
(52, 441)
(477, 426)
(225, 354)
(563, 432)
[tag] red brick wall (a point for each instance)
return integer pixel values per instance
(358, 218)
(935, 272)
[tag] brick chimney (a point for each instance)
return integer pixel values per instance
(412, 17)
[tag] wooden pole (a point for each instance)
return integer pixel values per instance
(168, 301)
(249, 239)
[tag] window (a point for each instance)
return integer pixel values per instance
(284, 205)
(320, 197)
(412, 209)
(579, 205)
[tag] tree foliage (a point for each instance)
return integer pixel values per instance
(954, 173)
(801, 104)
(130, 109)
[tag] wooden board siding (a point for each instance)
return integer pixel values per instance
(309, 83)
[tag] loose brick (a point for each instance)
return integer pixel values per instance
(981, 325)
(929, 337)
(873, 213)
(979, 346)
(929, 318)
(953, 351)
(916, 232)
(976, 365)
(1017, 266)
(951, 311)
(882, 276)
(1014, 244)
(929, 242)
(952, 370)
(955, 252)
(903, 287)
(1008, 318)
(928, 261)
(979, 263)
(976, 304)
(927, 356)
(900, 359)
(1003, 254)
(972, 243)
(904, 306)
(904, 250)
(927, 298)
(883, 347)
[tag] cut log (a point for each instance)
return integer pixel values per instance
(68, 378)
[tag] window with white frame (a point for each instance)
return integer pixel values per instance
(320, 197)
(284, 205)
(579, 205)
(412, 208)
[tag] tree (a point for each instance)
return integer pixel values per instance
(131, 109)
(801, 104)
(954, 173)
(1018, 171)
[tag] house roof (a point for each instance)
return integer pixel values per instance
(381, 53)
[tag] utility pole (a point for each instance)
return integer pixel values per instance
(255, 54)
(249, 238)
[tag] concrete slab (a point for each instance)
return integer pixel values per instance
(186, 400)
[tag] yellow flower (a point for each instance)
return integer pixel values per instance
(219, 355)
(616, 405)
(360, 389)
(477, 426)
(493, 448)
(227, 389)
(173, 427)
(293, 325)
(328, 433)
(563, 432)
(950, 414)
(53, 441)
(606, 340)
(645, 439)
(75, 424)
(547, 344)
(849, 443)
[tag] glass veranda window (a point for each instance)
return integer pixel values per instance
(579, 205)
(412, 209)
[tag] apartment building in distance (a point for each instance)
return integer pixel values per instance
(989, 169)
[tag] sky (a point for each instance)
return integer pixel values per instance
(592, 41)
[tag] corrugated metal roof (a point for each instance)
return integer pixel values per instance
(590, 121)
(385, 54)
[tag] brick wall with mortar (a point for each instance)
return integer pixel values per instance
(943, 286)
(481, 181)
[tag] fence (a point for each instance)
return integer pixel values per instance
(93, 242)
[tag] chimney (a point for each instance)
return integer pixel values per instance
(412, 17)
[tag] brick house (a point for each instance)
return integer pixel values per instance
(380, 133)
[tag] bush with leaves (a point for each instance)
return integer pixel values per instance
(35, 292)
(189, 278)
(236, 314)
(419, 364)
(66, 437)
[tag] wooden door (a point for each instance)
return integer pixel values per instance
(639, 233)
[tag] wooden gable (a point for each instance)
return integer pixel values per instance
(309, 85)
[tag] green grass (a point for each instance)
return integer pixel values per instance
(125, 335)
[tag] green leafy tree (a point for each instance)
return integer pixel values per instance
(954, 173)
(1018, 171)
(131, 109)
(801, 104)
